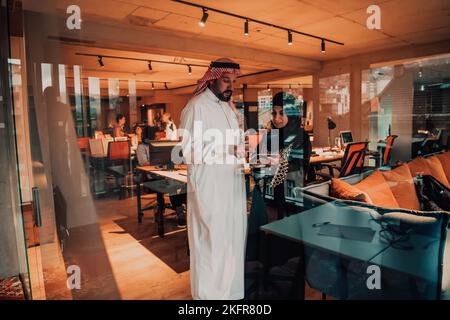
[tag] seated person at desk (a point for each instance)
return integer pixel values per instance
(289, 132)
(177, 201)
(119, 127)
(136, 137)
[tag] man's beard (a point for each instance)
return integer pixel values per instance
(222, 97)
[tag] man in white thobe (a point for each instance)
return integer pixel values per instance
(216, 203)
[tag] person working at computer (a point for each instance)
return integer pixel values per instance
(177, 201)
(289, 131)
(119, 127)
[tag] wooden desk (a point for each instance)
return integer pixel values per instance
(178, 175)
(315, 160)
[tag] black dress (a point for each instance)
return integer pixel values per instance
(293, 134)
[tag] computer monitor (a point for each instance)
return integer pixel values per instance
(346, 137)
(160, 153)
(149, 133)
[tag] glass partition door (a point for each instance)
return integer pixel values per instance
(61, 98)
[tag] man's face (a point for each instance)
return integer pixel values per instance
(279, 119)
(223, 87)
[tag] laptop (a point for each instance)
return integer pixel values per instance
(346, 137)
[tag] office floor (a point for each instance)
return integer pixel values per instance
(141, 264)
(121, 259)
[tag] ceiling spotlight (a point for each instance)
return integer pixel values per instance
(268, 87)
(100, 61)
(205, 15)
(290, 38)
(153, 86)
(190, 69)
(150, 65)
(322, 47)
(420, 73)
(165, 85)
(246, 27)
(422, 88)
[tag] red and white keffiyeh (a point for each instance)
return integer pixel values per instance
(215, 71)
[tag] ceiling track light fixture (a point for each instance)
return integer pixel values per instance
(153, 85)
(205, 16)
(322, 46)
(289, 38)
(247, 20)
(165, 86)
(189, 69)
(149, 62)
(100, 61)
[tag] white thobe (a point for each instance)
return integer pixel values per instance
(216, 204)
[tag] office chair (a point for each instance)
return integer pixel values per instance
(428, 146)
(443, 142)
(353, 161)
(83, 143)
(384, 159)
(119, 160)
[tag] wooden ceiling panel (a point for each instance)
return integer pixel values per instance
(426, 36)
(113, 10)
(342, 7)
(403, 21)
(152, 15)
(407, 16)
(343, 30)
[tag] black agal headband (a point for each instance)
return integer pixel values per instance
(225, 65)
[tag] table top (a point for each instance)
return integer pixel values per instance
(418, 256)
(178, 175)
(304, 227)
(328, 157)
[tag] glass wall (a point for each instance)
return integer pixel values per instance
(334, 105)
(61, 100)
(71, 223)
(14, 272)
(410, 100)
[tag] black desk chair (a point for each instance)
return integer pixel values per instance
(382, 157)
(352, 162)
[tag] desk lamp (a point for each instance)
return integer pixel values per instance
(331, 126)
